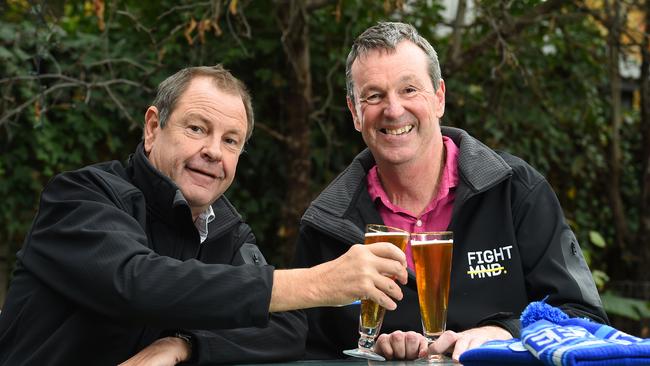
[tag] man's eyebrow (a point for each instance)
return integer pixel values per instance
(409, 78)
(369, 87)
(236, 131)
(199, 116)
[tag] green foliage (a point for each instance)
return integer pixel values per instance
(56, 131)
(626, 307)
(600, 278)
(596, 239)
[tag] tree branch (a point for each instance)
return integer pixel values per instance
(296, 23)
(457, 31)
(120, 105)
(614, 176)
(33, 99)
(507, 31)
(177, 8)
(139, 26)
(70, 82)
(119, 60)
(607, 23)
(234, 34)
(310, 5)
(275, 134)
(317, 4)
(644, 212)
(329, 79)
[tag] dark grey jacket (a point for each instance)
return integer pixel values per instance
(505, 215)
(113, 261)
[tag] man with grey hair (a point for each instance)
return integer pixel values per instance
(147, 262)
(512, 244)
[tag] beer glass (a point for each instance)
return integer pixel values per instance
(372, 315)
(432, 258)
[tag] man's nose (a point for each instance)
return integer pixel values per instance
(393, 108)
(212, 149)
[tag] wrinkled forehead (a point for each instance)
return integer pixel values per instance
(368, 54)
(406, 58)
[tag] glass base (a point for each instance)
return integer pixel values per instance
(436, 359)
(366, 353)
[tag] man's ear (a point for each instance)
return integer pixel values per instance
(151, 127)
(440, 96)
(355, 116)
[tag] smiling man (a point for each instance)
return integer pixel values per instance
(147, 261)
(512, 244)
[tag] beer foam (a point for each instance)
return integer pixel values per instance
(387, 233)
(434, 241)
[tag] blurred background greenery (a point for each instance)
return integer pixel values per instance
(562, 84)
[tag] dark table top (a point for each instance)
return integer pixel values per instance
(359, 362)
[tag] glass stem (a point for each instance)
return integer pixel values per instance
(366, 341)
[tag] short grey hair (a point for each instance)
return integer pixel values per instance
(172, 88)
(386, 36)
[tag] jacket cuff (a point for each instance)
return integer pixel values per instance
(507, 321)
(189, 337)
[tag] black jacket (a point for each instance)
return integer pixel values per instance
(113, 261)
(505, 215)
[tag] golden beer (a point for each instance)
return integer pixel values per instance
(372, 314)
(432, 259)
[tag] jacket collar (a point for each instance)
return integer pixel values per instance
(479, 166)
(225, 217)
(164, 198)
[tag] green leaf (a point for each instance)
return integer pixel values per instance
(600, 278)
(596, 239)
(21, 55)
(7, 33)
(624, 306)
(5, 54)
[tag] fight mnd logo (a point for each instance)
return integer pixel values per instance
(488, 263)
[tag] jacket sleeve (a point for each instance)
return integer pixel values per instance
(553, 263)
(283, 339)
(88, 244)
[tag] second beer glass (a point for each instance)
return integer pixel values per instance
(432, 254)
(372, 315)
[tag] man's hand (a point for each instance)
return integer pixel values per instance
(363, 272)
(457, 343)
(401, 345)
(163, 352)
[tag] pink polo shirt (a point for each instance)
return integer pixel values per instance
(435, 217)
